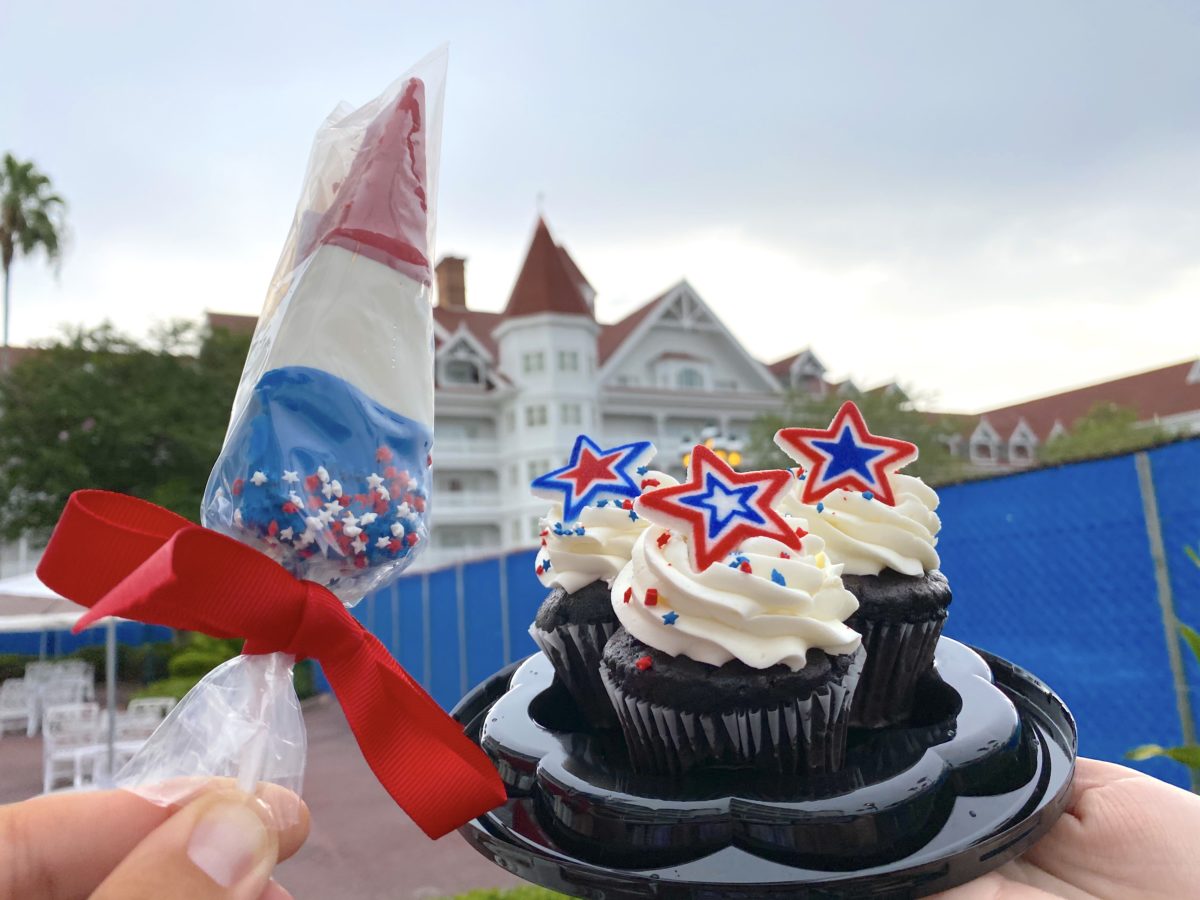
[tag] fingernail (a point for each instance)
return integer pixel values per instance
(227, 842)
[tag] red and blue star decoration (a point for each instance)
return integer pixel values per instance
(593, 473)
(720, 508)
(847, 456)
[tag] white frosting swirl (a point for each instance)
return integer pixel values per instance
(772, 614)
(600, 551)
(866, 536)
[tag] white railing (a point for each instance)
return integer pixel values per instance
(466, 446)
(464, 499)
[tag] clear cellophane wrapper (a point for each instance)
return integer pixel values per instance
(326, 466)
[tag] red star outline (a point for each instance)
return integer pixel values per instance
(796, 443)
(662, 507)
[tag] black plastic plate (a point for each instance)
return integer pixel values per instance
(980, 774)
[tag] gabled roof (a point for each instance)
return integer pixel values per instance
(480, 324)
(1155, 394)
(549, 282)
(612, 336)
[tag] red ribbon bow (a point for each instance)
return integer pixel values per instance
(121, 556)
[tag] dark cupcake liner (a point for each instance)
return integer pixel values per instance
(898, 654)
(796, 738)
(575, 652)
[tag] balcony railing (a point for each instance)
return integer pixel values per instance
(443, 499)
(466, 446)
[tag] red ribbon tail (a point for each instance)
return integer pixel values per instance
(418, 753)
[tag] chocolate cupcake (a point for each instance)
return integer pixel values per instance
(587, 538)
(881, 528)
(744, 664)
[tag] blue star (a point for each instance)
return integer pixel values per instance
(847, 455)
(670, 618)
(593, 474)
(723, 504)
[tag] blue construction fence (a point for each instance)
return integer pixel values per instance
(1051, 569)
(60, 643)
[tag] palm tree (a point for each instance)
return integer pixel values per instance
(31, 216)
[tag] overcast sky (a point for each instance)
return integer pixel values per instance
(986, 201)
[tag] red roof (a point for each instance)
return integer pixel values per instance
(782, 368)
(1156, 394)
(549, 281)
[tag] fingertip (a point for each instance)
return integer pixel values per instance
(276, 891)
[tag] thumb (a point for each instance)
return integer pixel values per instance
(222, 846)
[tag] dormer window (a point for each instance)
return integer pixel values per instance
(1022, 444)
(985, 444)
(689, 379)
(461, 371)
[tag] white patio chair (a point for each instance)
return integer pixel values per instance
(147, 706)
(14, 704)
(69, 732)
(58, 691)
(75, 670)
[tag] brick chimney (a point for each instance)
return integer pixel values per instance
(451, 283)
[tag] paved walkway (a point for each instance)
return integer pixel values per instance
(362, 846)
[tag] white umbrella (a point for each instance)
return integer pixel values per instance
(27, 606)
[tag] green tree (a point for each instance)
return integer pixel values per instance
(1107, 428)
(99, 409)
(888, 413)
(31, 218)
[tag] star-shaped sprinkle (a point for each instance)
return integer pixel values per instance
(258, 479)
(291, 477)
(375, 481)
(383, 543)
(322, 473)
(287, 534)
(367, 518)
(397, 529)
(643, 663)
(383, 454)
(720, 508)
(670, 618)
(846, 455)
(358, 544)
(593, 473)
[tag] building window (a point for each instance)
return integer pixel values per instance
(516, 532)
(571, 413)
(627, 380)
(512, 475)
(461, 371)
(535, 416)
(535, 528)
(454, 486)
(510, 421)
(689, 379)
(1020, 453)
(568, 361)
(537, 467)
(533, 362)
(982, 451)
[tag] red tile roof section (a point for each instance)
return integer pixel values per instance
(547, 283)
(1159, 393)
(782, 368)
